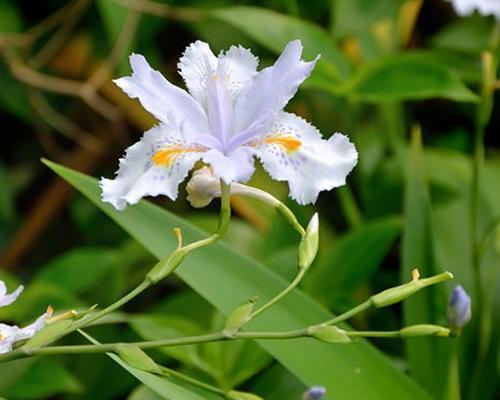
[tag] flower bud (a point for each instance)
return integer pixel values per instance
(328, 333)
(401, 292)
(238, 318)
(314, 393)
(167, 265)
(459, 309)
(308, 247)
(137, 358)
(424, 330)
(202, 188)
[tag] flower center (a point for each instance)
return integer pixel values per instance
(287, 142)
(166, 156)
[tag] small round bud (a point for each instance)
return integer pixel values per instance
(314, 393)
(202, 188)
(328, 334)
(459, 308)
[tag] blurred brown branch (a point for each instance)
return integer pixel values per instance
(162, 10)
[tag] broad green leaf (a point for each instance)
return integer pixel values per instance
(467, 35)
(44, 379)
(353, 16)
(163, 386)
(142, 392)
(12, 371)
(428, 358)
(355, 371)
(79, 270)
(352, 260)
(409, 76)
(274, 30)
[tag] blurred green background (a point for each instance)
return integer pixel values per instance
(400, 77)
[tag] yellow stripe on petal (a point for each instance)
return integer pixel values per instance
(287, 142)
(166, 156)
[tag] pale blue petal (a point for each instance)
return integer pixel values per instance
(272, 88)
(238, 166)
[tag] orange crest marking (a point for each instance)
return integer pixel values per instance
(168, 155)
(288, 143)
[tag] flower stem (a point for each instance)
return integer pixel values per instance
(131, 295)
(352, 312)
(200, 339)
(280, 295)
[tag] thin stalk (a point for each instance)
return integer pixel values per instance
(348, 314)
(280, 295)
(125, 299)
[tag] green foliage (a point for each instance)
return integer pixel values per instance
(204, 270)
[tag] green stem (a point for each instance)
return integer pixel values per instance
(387, 334)
(348, 314)
(131, 295)
(453, 390)
(224, 219)
(190, 340)
(280, 295)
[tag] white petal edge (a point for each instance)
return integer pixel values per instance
(138, 176)
(198, 64)
(7, 299)
(316, 166)
(161, 98)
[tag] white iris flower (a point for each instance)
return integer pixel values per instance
(12, 334)
(484, 7)
(231, 114)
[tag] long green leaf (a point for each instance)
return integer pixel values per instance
(409, 76)
(225, 278)
(428, 358)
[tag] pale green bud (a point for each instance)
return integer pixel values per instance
(399, 293)
(238, 318)
(49, 334)
(328, 333)
(424, 330)
(137, 358)
(308, 247)
(167, 265)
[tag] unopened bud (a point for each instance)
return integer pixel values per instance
(137, 358)
(238, 318)
(424, 330)
(167, 265)
(399, 293)
(202, 188)
(314, 393)
(459, 309)
(308, 247)
(328, 333)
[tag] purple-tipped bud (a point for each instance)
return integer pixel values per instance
(459, 308)
(314, 393)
